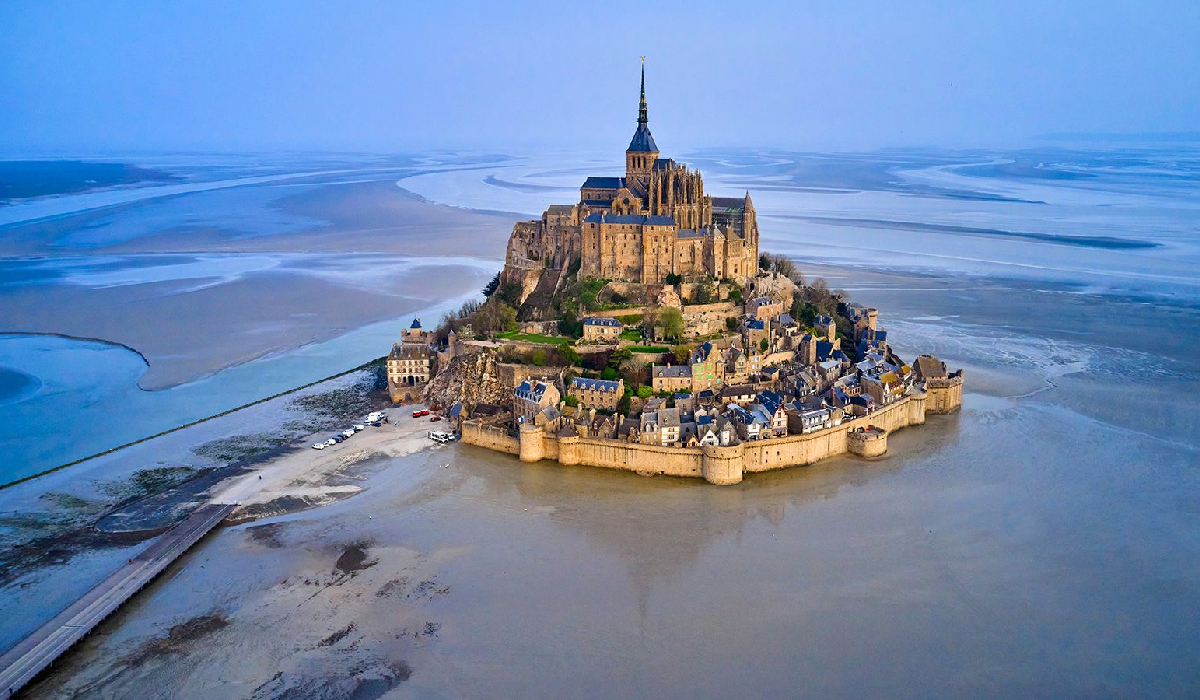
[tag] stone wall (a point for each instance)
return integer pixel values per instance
(717, 465)
(945, 395)
(493, 437)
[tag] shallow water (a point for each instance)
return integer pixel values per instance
(1017, 548)
(1042, 542)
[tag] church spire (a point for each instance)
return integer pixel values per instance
(642, 119)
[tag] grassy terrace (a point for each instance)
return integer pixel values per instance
(535, 338)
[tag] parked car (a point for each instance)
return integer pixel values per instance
(359, 426)
(338, 438)
(319, 446)
(330, 442)
(348, 432)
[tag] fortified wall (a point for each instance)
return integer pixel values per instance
(945, 395)
(865, 436)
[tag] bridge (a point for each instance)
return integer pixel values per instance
(37, 651)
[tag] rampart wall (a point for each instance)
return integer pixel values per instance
(492, 437)
(945, 395)
(718, 465)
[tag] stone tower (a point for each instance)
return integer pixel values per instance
(642, 151)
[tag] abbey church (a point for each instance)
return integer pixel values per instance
(653, 222)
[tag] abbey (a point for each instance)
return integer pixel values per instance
(653, 222)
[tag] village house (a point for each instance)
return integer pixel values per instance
(600, 329)
(408, 365)
(671, 378)
(826, 329)
(531, 397)
(599, 394)
(763, 308)
(707, 368)
(740, 394)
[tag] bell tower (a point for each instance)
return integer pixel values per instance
(642, 151)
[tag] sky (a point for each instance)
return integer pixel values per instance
(95, 77)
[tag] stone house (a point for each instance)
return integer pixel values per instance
(671, 378)
(826, 328)
(408, 365)
(597, 394)
(707, 367)
(763, 308)
(531, 397)
(601, 329)
(755, 332)
(740, 394)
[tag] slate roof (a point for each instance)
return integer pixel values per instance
(719, 203)
(585, 384)
(691, 233)
(603, 183)
(601, 321)
(642, 141)
(416, 323)
(672, 371)
(531, 391)
(663, 163)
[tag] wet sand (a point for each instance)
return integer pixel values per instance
(462, 573)
(277, 292)
(186, 330)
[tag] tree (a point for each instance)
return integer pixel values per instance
(731, 323)
(671, 320)
(682, 353)
(569, 324)
(644, 392)
(569, 355)
(492, 286)
(674, 279)
(538, 358)
(608, 374)
(571, 401)
(763, 345)
(618, 357)
(623, 405)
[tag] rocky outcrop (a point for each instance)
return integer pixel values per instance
(473, 379)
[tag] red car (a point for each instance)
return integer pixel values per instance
(418, 414)
(434, 419)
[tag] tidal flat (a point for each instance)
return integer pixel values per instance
(1038, 543)
(1042, 542)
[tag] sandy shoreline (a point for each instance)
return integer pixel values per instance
(52, 528)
